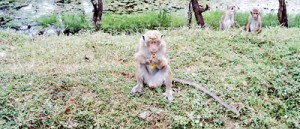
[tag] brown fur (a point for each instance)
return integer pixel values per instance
(227, 19)
(254, 22)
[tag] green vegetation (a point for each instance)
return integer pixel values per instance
(294, 20)
(138, 22)
(45, 21)
(84, 81)
(72, 23)
(212, 19)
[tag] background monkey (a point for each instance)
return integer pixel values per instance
(152, 49)
(227, 19)
(254, 22)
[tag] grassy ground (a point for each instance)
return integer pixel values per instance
(84, 81)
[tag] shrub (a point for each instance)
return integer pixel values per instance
(138, 22)
(72, 23)
(45, 21)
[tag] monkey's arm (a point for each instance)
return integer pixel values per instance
(221, 26)
(248, 25)
(258, 29)
(141, 58)
(160, 62)
(183, 81)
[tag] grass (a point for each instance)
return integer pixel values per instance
(138, 22)
(72, 23)
(212, 19)
(84, 81)
(114, 23)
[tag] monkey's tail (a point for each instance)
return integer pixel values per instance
(183, 81)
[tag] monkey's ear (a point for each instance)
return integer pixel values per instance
(143, 37)
(250, 12)
(162, 36)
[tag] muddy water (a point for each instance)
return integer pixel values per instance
(20, 16)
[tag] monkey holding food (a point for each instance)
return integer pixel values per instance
(154, 70)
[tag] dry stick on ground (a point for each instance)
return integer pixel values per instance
(198, 12)
(98, 9)
(282, 15)
(231, 108)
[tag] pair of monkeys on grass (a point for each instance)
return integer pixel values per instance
(253, 25)
(154, 70)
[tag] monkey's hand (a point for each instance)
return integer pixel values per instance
(141, 59)
(160, 63)
(156, 60)
(147, 60)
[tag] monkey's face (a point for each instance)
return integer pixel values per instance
(153, 46)
(152, 41)
(231, 9)
(255, 14)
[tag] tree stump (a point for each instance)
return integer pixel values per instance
(198, 10)
(282, 15)
(98, 9)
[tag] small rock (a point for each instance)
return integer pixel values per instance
(156, 110)
(24, 27)
(50, 32)
(144, 115)
(2, 54)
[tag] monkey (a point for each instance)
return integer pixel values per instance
(227, 19)
(154, 70)
(151, 44)
(254, 22)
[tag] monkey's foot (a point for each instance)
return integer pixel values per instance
(133, 94)
(136, 89)
(169, 96)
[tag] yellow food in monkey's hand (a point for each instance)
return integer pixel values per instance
(152, 65)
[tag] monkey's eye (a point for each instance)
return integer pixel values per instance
(153, 42)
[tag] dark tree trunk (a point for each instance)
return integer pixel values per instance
(198, 12)
(190, 14)
(98, 9)
(282, 15)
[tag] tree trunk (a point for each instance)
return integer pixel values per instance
(190, 14)
(97, 16)
(282, 15)
(198, 12)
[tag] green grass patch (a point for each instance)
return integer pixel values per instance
(138, 22)
(46, 21)
(71, 23)
(294, 20)
(212, 19)
(84, 81)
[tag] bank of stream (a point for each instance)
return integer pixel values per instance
(27, 16)
(53, 17)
